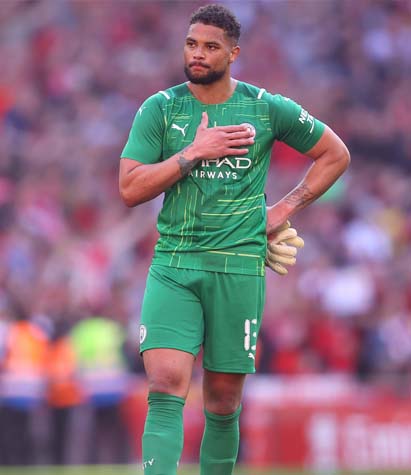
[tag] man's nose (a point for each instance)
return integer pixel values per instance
(198, 52)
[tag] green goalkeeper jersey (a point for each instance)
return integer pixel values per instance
(215, 218)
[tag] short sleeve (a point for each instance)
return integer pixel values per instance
(145, 140)
(293, 125)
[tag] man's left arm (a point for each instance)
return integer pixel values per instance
(331, 158)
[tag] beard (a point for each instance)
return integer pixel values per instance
(209, 78)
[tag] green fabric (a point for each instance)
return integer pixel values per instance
(220, 311)
(219, 447)
(163, 434)
(214, 219)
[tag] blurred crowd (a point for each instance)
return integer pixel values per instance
(73, 258)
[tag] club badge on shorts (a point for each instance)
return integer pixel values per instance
(143, 333)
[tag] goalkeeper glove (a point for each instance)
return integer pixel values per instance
(282, 248)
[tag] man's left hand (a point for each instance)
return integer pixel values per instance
(282, 248)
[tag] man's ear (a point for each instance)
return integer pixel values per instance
(235, 51)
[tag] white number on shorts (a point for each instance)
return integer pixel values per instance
(248, 335)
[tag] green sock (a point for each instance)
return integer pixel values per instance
(163, 434)
(219, 447)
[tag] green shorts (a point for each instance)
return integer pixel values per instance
(188, 309)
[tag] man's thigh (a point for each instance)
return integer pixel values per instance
(233, 306)
(172, 315)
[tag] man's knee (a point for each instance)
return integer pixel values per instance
(168, 371)
(223, 404)
(222, 392)
(166, 382)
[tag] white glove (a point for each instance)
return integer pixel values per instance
(282, 248)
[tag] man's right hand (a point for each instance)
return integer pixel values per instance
(220, 141)
(140, 182)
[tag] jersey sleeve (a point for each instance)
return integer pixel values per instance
(293, 125)
(145, 140)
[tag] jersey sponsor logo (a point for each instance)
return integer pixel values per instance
(211, 168)
(181, 129)
(232, 162)
(143, 333)
(306, 117)
(213, 175)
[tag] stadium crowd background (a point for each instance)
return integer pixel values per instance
(73, 74)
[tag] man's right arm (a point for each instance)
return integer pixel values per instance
(139, 182)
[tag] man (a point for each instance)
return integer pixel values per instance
(207, 144)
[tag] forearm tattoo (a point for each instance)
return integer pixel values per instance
(300, 197)
(185, 164)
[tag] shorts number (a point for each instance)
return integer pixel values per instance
(249, 334)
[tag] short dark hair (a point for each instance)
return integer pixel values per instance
(219, 16)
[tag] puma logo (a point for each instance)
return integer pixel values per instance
(181, 129)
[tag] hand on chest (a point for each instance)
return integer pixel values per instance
(181, 130)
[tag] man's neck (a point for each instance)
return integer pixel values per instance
(215, 93)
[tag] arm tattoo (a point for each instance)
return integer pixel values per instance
(184, 164)
(300, 197)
